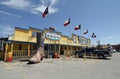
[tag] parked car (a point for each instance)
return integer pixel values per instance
(102, 54)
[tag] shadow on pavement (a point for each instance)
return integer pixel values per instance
(98, 58)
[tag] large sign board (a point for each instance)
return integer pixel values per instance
(52, 36)
(83, 40)
(74, 39)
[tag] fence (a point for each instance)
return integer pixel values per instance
(71, 52)
(17, 54)
(50, 53)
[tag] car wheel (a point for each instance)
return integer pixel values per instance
(80, 56)
(101, 56)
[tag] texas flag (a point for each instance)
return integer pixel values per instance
(67, 22)
(45, 12)
(86, 32)
(93, 35)
(77, 27)
(52, 28)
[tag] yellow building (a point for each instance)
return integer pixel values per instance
(23, 43)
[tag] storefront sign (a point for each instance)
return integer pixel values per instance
(83, 41)
(74, 39)
(52, 36)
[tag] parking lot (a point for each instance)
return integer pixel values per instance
(63, 68)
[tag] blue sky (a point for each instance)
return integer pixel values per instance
(99, 16)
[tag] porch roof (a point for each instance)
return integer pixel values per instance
(19, 42)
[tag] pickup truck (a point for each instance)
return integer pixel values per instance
(101, 53)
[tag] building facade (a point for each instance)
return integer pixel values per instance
(23, 43)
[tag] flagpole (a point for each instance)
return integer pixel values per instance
(69, 30)
(69, 27)
(68, 40)
(81, 32)
(88, 38)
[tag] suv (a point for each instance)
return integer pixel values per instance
(102, 54)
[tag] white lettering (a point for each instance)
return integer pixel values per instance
(53, 36)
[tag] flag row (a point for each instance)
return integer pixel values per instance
(66, 23)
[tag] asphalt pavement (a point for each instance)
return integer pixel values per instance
(63, 68)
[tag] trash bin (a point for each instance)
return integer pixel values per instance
(9, 57)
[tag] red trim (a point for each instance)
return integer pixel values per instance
(85, 32)
(65, 24)
(77, 27)
(44, 14)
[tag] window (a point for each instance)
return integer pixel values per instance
(34, 34)
(20, 47)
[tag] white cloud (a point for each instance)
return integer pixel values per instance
(17, 4)
(49, 2)
(26, 5)
(9, 14)
(107, 38)
(111, 37)
(111, 40)
(42, 8)
(53, 2)
(6, 30)
(44, 4)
